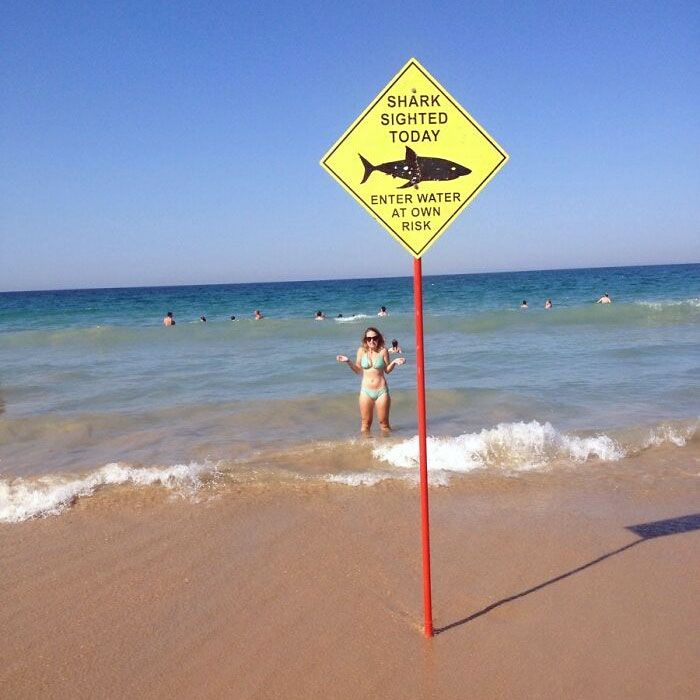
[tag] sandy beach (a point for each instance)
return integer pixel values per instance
(540, 589)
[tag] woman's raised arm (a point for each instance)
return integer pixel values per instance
(354, 366)
(394, 363)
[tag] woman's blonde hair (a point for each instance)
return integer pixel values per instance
(380, 341)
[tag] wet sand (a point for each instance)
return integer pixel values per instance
(540, 590)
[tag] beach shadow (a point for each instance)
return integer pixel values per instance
(660, 528)
(645, 531)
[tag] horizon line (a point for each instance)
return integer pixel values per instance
(339, 279)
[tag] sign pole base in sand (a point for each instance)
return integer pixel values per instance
(422, 445)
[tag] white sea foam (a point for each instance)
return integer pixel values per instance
(658, 305)
(351, 319)
(374, 478)
(359, 478)
(507, 447)
(664, 433)
(21, 499)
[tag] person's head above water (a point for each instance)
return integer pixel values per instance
(394, 343)
(372, 339)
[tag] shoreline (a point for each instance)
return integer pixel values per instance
(259, 591)
(536, 455)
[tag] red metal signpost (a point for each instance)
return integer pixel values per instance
(422, 446)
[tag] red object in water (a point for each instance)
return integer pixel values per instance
(422, 446)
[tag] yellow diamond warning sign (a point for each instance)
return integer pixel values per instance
(414, 158)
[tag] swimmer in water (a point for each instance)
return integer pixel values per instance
(258, 315)
(169, 320)
(203, 318)
(524, 304)
(395, 347)
(372, 362)
(320, 316)
(383, 311)
(605, 299)
(548, 304)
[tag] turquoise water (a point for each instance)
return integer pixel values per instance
(444, 295)
(91, 377)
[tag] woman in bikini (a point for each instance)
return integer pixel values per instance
(372, 362)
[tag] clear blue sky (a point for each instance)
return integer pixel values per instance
(178, 142)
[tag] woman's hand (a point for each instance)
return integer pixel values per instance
(341, 358)
(400, 361)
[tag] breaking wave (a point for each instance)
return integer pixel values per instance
(507, 447)
(660, 305)
(511, 448)
(351, 319)
(670, 434)
(21, 499)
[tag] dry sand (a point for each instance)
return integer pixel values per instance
(316, 593)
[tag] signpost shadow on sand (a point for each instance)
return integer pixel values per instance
(645, 531)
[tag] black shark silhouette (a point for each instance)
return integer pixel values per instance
(416, 169)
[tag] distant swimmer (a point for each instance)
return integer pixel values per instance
(203, 318)
(320, 316)
(605, 299)
(548, 304)
(258, 315)
(524, 304)
(383, 311)
(339, 316)
(169, 320)
(233, 318)
(372, 362)
(395, 347)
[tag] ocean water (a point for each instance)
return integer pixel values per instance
(94, 391)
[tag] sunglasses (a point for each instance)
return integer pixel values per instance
(370, 338)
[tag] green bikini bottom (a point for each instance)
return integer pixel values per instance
(374, 394)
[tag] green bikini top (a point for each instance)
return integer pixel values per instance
(377, 364)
